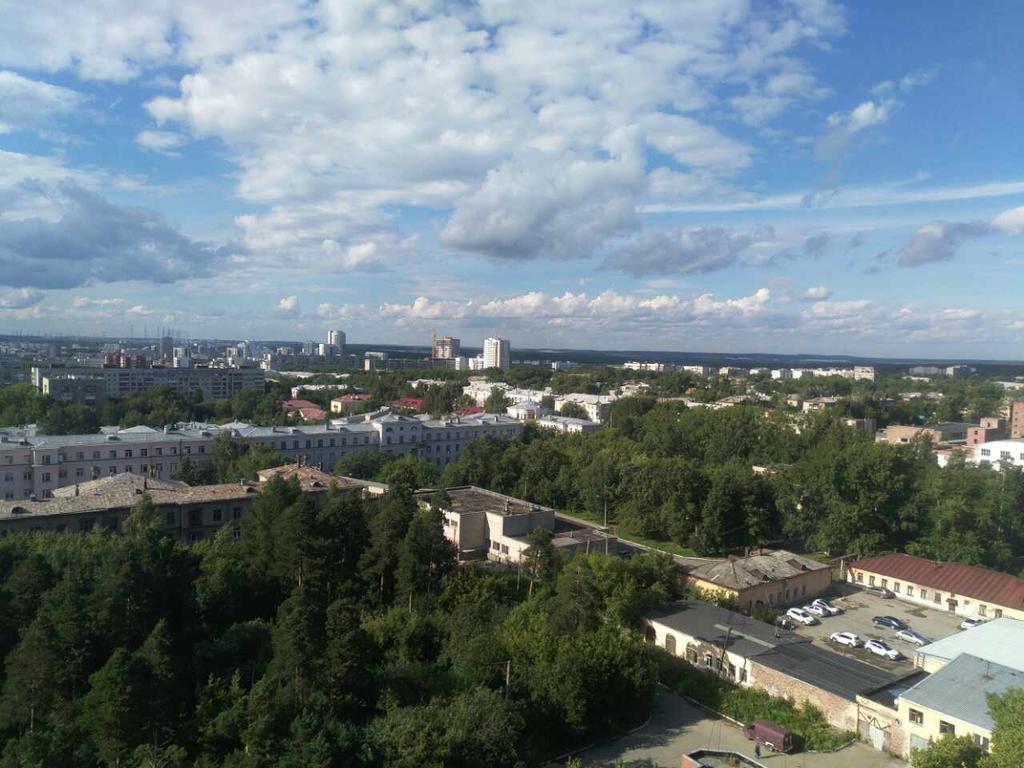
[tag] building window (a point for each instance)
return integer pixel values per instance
(169, 518)
(236, 513)
(986, 452)
(998, 613)
(910, 591)
(982, 609)
(670, 643)
(860, 577)
(128, 453)
(916, 716)
(236, 532)
(924, 594)
(945, 727)
(937, 598)
(896, 587)
(885, 583)
(871, 581)
(981, 741)
(46, 477)
(216, 515)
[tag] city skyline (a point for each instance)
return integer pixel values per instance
(787, 177)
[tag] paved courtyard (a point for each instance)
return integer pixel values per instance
(858, 609)
(678, 727)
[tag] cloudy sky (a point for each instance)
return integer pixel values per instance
(700, 175)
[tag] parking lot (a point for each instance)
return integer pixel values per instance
(858, 609)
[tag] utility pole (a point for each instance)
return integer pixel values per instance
(508, 678)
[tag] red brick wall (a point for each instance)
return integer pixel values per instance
(839, 712)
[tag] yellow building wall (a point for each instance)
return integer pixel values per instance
(929, 729)
(966, 605)
(801, 589)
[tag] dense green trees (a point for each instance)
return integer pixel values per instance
(668, 473)
(337, 633)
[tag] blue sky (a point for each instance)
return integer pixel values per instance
(698, 176)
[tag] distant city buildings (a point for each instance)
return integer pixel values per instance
(336, 343)
(445, 347)
(34, 466)
(82, 384)
(497, 353)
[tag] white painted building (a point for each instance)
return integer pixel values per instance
(996, 453)
(497, 353)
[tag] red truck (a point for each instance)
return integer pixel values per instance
(771, 734)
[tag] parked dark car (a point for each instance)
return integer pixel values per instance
(880, 592)
(771, 734)
(889, 621)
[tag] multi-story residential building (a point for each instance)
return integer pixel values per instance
(76, 389)
(636, 365)
(36, 465)
(698, 370)
(864, 373)
(782, 374)
(732, 372)
(497, 353)
(188, 513)
(213, 383)
(485, 524)
(336, 343)
(445, 347)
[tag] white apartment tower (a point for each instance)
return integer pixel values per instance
(497, 353)
(336, 342)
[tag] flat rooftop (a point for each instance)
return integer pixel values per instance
(467, 499)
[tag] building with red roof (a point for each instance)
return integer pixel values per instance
(966, 590)
(410, 403)
(306, 410)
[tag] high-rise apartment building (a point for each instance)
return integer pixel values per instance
(445, 347)
(497, 353)
(336, 342)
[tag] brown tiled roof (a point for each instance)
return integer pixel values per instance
(955, 578)
(121, 492)
(310, 478)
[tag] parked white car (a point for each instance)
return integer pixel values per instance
(971, 623)
(799, 614)
(881, 648)
(845, 638)
(910, 636)
(826, 607)
(817, 610)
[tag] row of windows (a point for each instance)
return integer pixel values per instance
(922, 593)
